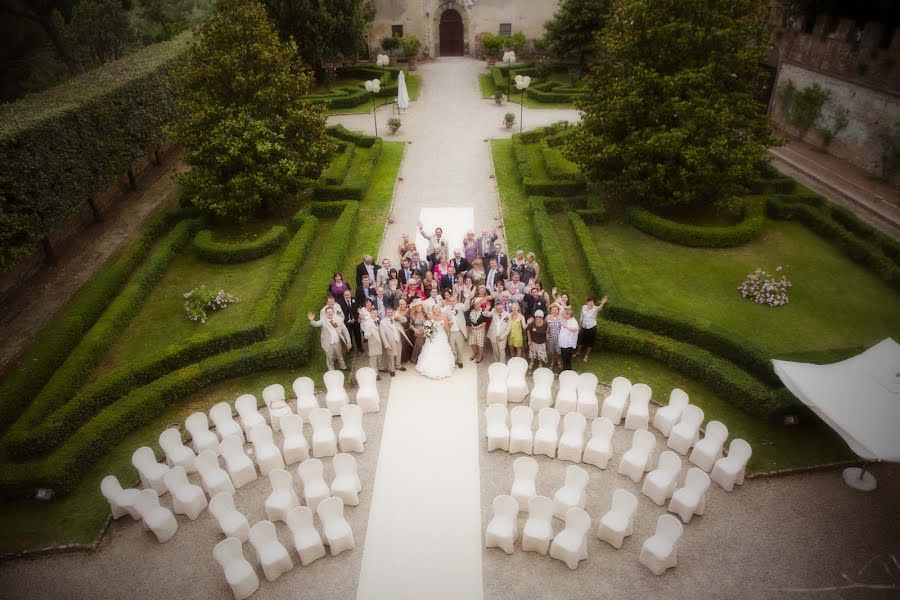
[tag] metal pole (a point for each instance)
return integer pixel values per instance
(374, 116)
(521, 110)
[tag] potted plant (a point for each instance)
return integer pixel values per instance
(411, 45)
(394, 124)
(509, 120)
(492, 44)
(498, 97)
(389, 44)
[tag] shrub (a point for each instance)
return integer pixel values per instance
(509, 120)
(200, 300)
(492, 44)
(357, 182)
(558, 166)
(411, 45)
(763, 288)
(390, 43)
(354, 137)
(228, 253)
(394, 124)
(554, 258)
(340, 164)
(752, 221)
(549, 187)
(498, 78)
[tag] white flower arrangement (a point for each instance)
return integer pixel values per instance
(763, 288)
(431, 329)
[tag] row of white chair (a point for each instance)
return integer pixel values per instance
(346, 485)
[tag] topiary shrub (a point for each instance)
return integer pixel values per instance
(752, 221)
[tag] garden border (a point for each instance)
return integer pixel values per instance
(238, 252)
(753, 218)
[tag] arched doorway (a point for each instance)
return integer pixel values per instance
(451, 39)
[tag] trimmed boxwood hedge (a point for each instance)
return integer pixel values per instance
(356, 184)
(339, 165)
(354, 137)
(752, 221)
(230, 253)
(548, 244)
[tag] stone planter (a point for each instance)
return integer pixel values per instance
(412, 61)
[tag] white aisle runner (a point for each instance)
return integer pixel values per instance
(423, 539)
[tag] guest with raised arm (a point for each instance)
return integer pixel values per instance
(588, 335)
(470, 247)
(334, 332)
(486, 243)
(435, 242)
(499, 331)
(568, 338)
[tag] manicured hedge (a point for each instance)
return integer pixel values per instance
(550, 187)
(60, 147)
(340, 164)
(752, 221)
(498, 78)
(230, 253)
(536, 135)
(354, 137)
(356, 184)
(555, 260)
(553, 91)
(558, 166)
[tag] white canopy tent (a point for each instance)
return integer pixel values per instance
(859, 398)
(402, 92)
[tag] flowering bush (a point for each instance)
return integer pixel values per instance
(763, 288)
(199, 300)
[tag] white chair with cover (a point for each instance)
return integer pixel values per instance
(546, 438)
(221, 416)
(151, 472)
(335, 394)
(572, 493)
(690, 500)
(305, 390)
(294, 446)
(503, 528)
(346, 484)
(283, 497)
(687, 431)
(273, 396)
(177, 454)
(659, 552)
(273, 556)
(618, 523)
(587, 396)
(496, 429)
(525, 470)
(660, 483)
(516, 385)
(187, 499)
(239, 466)
(156, 518)
(571, 442)
(708, 450)
(245, 405)
(497, 392)
(268, 456)
(615, 404)
(336, 531)
(367, 397)
(307, 540)
(638, 414)
(239, 573)
(214, 478)
(351, 437)
(541, 396)
(312, 476)
(202, 438)
(729, 471)
(570, 544)
(121, 501)
(521, 437)
(637, 459)
(324, 442)
(538, 529)
(231, 521)
(567, 394)
(620, 385)
(599, 448)
(666, 416)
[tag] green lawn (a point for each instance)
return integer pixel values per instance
(486, 83)
(513, 202)
(413, 86)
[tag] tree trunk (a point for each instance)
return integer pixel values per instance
(131, 182)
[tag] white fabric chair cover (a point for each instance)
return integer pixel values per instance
(516, 385)
(542, 393)
(273, 556)
(708, 450)
(615, 404)
(503, 528)
(305, 390)
(351, 438)
(335, 394)
(658, 552)
(687, 431)
(546, 437)
(660, 483)
(572, 493)
(571, 443)
(525, 470)
(294, 446)
(336, 530)
(621, 386)
(231, 521)
(638, 414)
(538, 529)
(121, 501)
(567, 394)
(177, 454)
(245, 405)
(239, 466)
(618, 523)
(346, 484)
(214, 478)
(312, 476)
(367, 396)
(497, 392)
(151, 472)
(496, 429)
(599, 448)
(637, 460)
(666, 416)
(268, 456)
(729, 471)
(273, 396)
(307, 540)
(221, 416)
(324, 442)
(239, 573)
(283, 498)
(156, 518)
(521, 436)
(587, 396)
(187, 499)
(690, 500)
(570, 544)
(202, 438)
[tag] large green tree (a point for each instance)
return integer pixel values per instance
(672, 115)
(50, 16)
(100, 29)
(250, 139)
(570, 33)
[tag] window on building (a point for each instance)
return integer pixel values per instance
(397, 30)
(887, 36)
(506, 29)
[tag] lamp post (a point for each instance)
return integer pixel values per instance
(522, 84)
(373, 87)
(508, 59)
(382, 61)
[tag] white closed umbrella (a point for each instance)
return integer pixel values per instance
(402, 93)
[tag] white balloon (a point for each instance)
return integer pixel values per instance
(518, 79)
(526, 80)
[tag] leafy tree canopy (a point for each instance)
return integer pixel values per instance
(101, 29)
(570, 33)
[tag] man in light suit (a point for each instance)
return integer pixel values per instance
(459, 333)
(391, 336)
(434, 241)
(368, 320)
(486, 243)
(333, 333)
(333, 305)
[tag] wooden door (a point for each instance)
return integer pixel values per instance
(451, 33)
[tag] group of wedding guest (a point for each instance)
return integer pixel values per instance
(489, 297)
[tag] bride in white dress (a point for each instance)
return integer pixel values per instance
(436, 359)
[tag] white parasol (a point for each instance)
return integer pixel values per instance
(402, 93)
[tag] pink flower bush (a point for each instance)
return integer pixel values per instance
(199, 300)
(763, 288)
